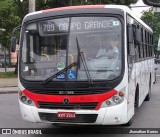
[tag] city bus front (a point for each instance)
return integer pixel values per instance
(70, 70)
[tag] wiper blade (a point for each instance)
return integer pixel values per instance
(58, 73)
(81, 56)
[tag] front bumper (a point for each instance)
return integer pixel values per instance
(114, 115)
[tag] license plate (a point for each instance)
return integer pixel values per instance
(66, 115)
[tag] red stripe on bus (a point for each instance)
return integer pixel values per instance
(74, 7)
(72, 98)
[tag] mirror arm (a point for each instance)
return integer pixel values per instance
(15, 29)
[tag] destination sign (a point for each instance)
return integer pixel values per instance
(78, 24)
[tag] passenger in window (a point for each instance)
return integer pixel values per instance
(101, 53)
(112, 45)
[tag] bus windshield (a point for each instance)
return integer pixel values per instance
(49, 46)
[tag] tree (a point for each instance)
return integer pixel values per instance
(22, 7)
(8, 20)
(13, 11)
(153, 20)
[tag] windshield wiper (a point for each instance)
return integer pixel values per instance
(58, 73)
(81, 56)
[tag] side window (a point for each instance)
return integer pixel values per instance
(142, 37)
(146, 49)
(130, 37)
(152, 51)
(148, 44)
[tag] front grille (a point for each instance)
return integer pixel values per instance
(80, 118)
(52, 105)
(82, 91)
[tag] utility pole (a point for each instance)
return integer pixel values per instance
(32, 5)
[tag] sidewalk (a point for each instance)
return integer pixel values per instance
(8, 85)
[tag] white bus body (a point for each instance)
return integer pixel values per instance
(40, 103)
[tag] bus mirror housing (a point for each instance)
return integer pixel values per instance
(13, 44)
(155, 3)
(14, 39)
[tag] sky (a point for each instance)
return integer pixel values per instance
(139, 10)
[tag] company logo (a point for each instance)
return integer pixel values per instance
(66, 101)
(66, 92)
(6, 131)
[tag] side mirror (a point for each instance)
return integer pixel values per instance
(155, 3)
(13, 44)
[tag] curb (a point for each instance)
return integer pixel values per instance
(8, 90)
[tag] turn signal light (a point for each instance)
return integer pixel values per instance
(121, 94)
(20, 93)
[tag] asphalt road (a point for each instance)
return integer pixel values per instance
(147, 116)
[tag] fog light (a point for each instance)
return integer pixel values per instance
(23, 98)
(116, 99)
(29, 101)
(108, 103)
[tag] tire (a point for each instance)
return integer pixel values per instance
(148, 97)
(155, 77)
(136, 104)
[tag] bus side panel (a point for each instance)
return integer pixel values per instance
(131, 91)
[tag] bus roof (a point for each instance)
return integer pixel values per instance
(130, 12)
(124, 8)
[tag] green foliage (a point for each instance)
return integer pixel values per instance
(153, 20)
(22, 7)
(7, 75)
(13, 11)
(8, 20)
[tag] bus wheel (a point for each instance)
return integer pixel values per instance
(148, 97)
(155, 77)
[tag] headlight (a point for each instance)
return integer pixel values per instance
(24, 99)
(115, 100)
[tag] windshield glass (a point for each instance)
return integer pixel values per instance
(50, 46)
